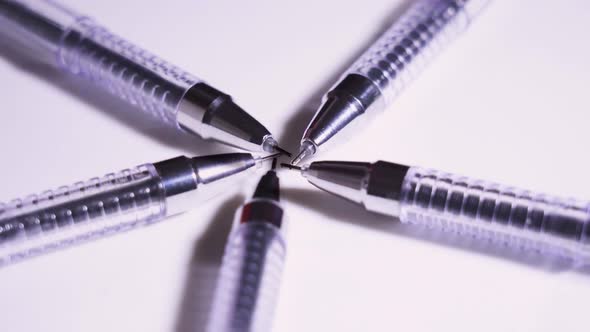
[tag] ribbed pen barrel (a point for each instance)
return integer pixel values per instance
(412, 41)
(250, 276)
(84, 48)
(83, 211)
(498, 213)
(249, 281)
(371, 84)
(125, 70)
(54, 34)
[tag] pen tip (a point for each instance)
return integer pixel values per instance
(290, 166)
(271, 145)
(274, 164)
(307, 149)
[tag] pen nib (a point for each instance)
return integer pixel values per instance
(307, 149)
(290, 166)
(271, 145)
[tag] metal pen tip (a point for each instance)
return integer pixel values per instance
(271, 145)
(270, 156)
(290, 166)
(299, 157)
(307, 149)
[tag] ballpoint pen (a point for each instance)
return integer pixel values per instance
(76, 44)
(249, 279)
(370, 85)
(502, 214)
(116, 202)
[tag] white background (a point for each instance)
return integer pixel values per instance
(507, 102)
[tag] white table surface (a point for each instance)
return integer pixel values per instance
(507, 102)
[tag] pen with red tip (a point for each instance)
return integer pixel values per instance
(248, 286)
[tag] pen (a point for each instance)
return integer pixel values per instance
(370, 85)
(115, 203)
(247, 289)
(75, 43)
(486, 210)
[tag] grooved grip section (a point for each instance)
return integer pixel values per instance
(498, 213)
(144, 80)
(408, 45)
(83, 211)
(249, 279)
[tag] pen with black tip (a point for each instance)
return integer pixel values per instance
(488, 211)
(371, 84)
(56, 35)
(250, 275)
(116, 202)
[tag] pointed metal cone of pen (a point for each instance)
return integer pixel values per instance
(271, 145)
(213, 168)
(307, 149)
(223, 120)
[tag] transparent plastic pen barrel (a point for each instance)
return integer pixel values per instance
(250, 275)
(80, 46)
(410, 43)
(86, 210)
(498, 213)
(125, 70)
